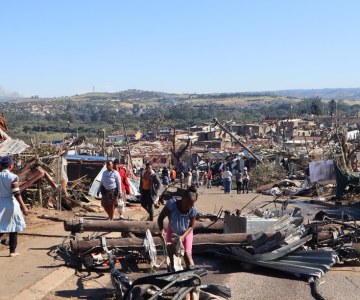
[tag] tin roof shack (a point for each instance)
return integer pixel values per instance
(84, 165)
(291, 123)
(253, 130)
(208, 135)
(157, 152)
(120, 136)
(201, 127)
(211, 144)
(215, 156)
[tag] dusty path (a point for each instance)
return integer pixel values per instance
(37, 258)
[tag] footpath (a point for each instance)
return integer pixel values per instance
(38, 269)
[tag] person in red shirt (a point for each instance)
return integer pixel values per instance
(209, 178)
(173, 175)
(125, 187)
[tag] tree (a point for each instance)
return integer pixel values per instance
(180, 153)
(332, 107)
(316, 106)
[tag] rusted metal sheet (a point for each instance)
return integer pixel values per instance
(31, 174)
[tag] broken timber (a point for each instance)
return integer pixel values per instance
(134, 226)
(201, 243)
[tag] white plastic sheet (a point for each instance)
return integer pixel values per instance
(322, 172)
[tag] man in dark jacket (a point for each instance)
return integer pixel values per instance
(149, 188)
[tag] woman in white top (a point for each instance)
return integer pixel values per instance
(188, 178)
(12, 207)
(110, 188)
(227, 178)
(246, 179)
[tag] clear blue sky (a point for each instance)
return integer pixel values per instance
(55, 48)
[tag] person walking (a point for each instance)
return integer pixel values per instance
(182, 179)
(149, 188)
(239, 181)
(181, 214)
(188, 178)
(165, 176)
(205, 179)
(173, 175)
(110, 188)
(195, 177)
(125, 187)
(246, 180)
(12, 207)
(227, 177)
(210, 178)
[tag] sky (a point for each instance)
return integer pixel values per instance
(67, 47)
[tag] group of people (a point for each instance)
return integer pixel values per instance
(168, 176)
(182, 212)
(242, 181)
(114, 187)
(193, 178)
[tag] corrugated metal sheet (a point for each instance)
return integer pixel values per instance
(12, 146)
(300, 263)
(86, 157)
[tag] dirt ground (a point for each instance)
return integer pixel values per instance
(39, 259)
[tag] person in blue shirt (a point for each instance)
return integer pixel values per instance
(181, 214)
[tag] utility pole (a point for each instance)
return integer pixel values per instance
(241, 144)
(103, 142)
(127, 144)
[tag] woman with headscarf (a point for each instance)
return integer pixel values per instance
(110, 188)
(12, 207)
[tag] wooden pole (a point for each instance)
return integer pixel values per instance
(40, 197)
(241, 144)
(201, 243)
(135, 226)
(127, 144)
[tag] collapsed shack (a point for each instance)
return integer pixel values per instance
(42, 171)
(79, 166)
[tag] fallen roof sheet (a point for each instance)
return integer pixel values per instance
(12, 146)
(300, 263)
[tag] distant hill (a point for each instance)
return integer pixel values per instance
(139, 95)
(327, 93)
(338, 93)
